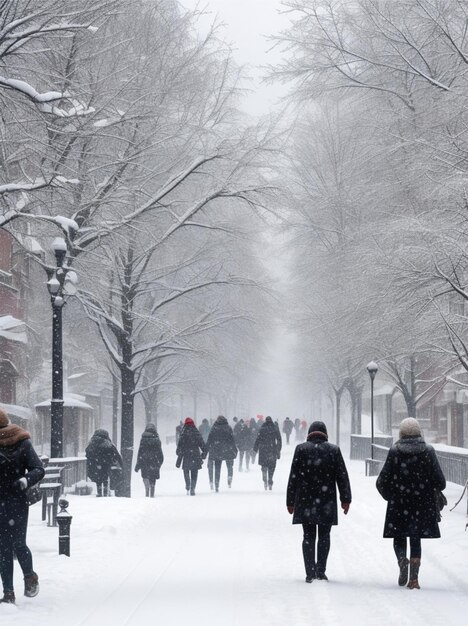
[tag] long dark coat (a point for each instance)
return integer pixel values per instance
(268, 444)
(150, 455)
(408, 481)
(191, 448)
(317, 468)
(288, 426)
(17, 461)
(220, 443)
(243, 438)
(101, 455)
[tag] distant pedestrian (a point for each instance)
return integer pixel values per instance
(149, 459)
(288, 427)
(268, 444)
(297, 430)
(303, 431)
(178, 430)
(101, 456)
(410, 481)
(205, 429)
(253, 430)
(190, 454)
(242, 438)
(317, 468)
(20, 468)
(221, 447)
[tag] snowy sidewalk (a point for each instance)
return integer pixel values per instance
(233, 559)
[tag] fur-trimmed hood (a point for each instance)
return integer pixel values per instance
(12, 434)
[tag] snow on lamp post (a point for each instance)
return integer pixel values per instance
(61, 282)
(372, 368)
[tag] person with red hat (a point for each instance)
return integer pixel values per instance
(191, 450)
(20, 468)
(317, 469)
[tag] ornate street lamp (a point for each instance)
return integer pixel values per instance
(372, 368)
(61, 282)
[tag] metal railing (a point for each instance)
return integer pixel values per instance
(74, 470)
(361, 445)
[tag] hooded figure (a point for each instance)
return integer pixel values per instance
(101, 455)
(268, 444)
(150, 458)
(409, 481)
(288, 427)
(221, 447)
(242, 437)
(317, 469)
(191, 450)
(20, 468)
(205, 429)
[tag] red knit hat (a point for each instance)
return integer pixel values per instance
(189, 422)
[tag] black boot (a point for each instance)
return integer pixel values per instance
(413, 582)
(8, 597)
(31, 585)
(403, 564)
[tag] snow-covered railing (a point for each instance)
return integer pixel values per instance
(360, 448)
(74, 470)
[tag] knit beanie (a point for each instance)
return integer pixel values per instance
(410, 427)
(318, 427)
(189, 421)
(4, 421)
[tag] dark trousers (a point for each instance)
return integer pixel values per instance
(313, 567)
(149, 486)
(191, 477)
(216, 465)
(242, 454)
(103, 488)
(287, 437)
(267, 473)
(13, 527)
(400, 546)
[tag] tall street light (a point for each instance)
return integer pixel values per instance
(372, 368)
(61, 282)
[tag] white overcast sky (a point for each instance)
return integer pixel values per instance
(247, 23)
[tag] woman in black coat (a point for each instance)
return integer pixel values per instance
(242, 438)
(409, 482)
(221, 447)
(317, 468)
(150, 458)
(101, 455)
(268, 445)
(20, 468)
(191, 450)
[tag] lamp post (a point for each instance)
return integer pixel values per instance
(61, 282)
(372, 368)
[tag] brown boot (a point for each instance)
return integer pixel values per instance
(403, 564)
(8, 597)
(413, 574)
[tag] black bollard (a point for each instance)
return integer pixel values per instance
(64, 520)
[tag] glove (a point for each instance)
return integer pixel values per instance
(179, 461)
(278, 455)
(137, 469)
(21, 484)
(345, 507)
(290, 510)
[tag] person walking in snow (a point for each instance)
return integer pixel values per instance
(149, 459)
(221, 447)
(317, 469)
(20, 468)
(288, 427)
(268, 444)
(101, 455)
(409, 481)
(253, 438)
(242, 438)
(205, 429)
(191, 451)
(303, 431)
(297, 430)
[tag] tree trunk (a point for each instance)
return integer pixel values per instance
(338, 393)
(115, 408)
(127, 426)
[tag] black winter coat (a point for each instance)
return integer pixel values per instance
(243, 438)
(101, 455)
(408, 481)
(18, 461)
(191, 449)
(317, 468)
(268, 444)
(220, 443)
(288, 426)
(150, 456)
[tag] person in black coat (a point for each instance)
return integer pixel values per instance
(317, 468)
(101, 456)
(20, 468)
(150, 458)
(205, 429)
(409, 482)
(288, 427)
(268, 444)
(242, 438)
(221, 447)
(253, 438)
(191, 451)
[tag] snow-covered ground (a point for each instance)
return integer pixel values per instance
(232, 559)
